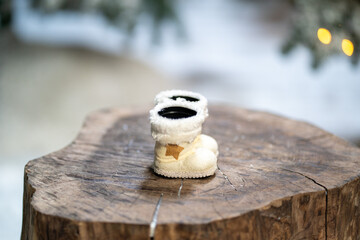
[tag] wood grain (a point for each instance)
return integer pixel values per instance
(277, 179)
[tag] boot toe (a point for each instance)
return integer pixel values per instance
(209, 143)
(202, 159)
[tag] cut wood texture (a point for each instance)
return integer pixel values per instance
(277, 179)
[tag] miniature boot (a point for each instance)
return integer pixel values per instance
(178, 96)
(180, 150)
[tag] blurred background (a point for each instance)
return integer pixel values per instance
(61, 59)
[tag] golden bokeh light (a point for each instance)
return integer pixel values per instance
(324, 35)
(347, 47)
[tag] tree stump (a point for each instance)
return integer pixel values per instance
(277, 179)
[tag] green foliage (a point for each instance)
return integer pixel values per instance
(340, 17)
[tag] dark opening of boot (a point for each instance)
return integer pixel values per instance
(187, 98)
(176, 112)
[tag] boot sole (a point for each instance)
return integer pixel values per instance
(170, 174)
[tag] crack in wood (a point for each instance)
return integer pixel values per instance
(326, 194)
(154, 218)
(181, 185)
(227, 179)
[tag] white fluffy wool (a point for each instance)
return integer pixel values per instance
(176, 131)
(165, 96)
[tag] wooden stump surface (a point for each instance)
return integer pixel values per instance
(277, 179)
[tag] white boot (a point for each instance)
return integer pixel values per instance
(180, 150)
(193, 98)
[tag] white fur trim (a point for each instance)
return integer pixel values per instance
(176, 131)
(165, 96)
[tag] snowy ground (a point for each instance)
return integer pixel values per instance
(232, 55)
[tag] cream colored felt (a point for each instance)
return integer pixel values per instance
(197, 159)
(180, 96)
(209, 143)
